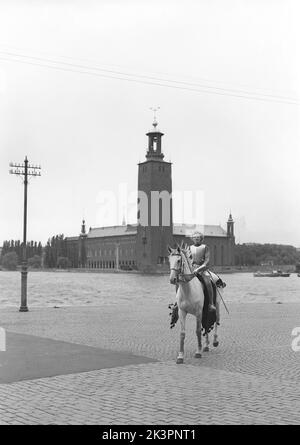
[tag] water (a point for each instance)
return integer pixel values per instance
(98, 289)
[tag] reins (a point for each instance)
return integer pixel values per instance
(183, 261)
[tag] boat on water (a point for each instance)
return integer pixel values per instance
(274, 273)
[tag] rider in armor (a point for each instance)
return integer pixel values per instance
(200, 260)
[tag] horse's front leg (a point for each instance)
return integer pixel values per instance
(182, 318)
(198, 353)
(206, 347)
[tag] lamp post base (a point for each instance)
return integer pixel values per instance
(23, 309)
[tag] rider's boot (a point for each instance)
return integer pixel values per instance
(211, 306)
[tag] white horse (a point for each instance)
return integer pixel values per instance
(190, 299)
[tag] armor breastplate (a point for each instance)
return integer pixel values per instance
(198, 254)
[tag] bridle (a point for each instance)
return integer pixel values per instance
(180, 275)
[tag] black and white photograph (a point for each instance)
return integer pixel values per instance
(150, 217)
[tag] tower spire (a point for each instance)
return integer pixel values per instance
(230, 224)
(155, 123)
(83, 227)
(154, 140)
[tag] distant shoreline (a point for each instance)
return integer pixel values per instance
(217, 270)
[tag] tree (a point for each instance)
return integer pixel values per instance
(56, 249)
(10, 261)
(253, 254)
(63, 262)
(35, 262)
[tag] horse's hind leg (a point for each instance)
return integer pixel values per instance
(215, 342)
(198, 353)
(182, 317)
(206, 347)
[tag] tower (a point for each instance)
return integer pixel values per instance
(231, 240)
(82, 246)
(230, 223)
(155, 220)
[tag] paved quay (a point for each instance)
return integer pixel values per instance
(116, 365)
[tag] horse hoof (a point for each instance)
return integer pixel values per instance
(216, 343)
(206, 349)
(179, 361)
(198, 355)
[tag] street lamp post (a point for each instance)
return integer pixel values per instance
(24, 170)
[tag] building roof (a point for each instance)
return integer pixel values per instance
(131, 229)
(72, 238)
(101, 232)
(207, 230)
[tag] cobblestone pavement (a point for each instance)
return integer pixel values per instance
(251, 378)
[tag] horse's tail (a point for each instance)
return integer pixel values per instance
(173, 314)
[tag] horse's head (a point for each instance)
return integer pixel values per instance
(175, 262)
(180, 264)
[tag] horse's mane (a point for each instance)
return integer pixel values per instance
(187, 255)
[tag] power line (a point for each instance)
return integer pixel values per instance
(142, 79)
(96, 68)
(236, 87)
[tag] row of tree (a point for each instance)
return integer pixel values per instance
(10, 261)
(62, 254)
(33, 248)
(56, 252)
(59, 254)
(265, 254)
(12, 254)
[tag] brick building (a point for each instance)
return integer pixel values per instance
(143, 246)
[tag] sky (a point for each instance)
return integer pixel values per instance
(78, 79)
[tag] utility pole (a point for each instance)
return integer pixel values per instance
(24, 170)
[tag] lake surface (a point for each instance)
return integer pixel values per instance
(98, 289)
